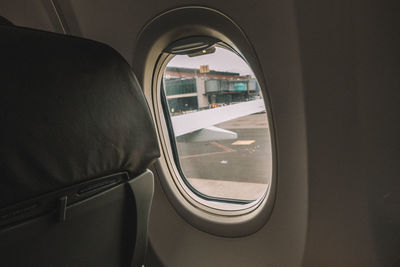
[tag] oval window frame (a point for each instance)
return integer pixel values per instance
(223, 219)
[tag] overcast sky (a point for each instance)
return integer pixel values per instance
(221, 60)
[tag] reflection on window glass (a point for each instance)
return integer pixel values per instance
(220, 125)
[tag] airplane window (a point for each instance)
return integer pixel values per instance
(219, 125)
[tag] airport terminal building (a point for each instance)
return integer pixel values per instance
(195, 89)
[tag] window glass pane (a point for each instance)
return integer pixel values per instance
(220, 125)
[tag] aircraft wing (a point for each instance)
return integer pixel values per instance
(202, 122)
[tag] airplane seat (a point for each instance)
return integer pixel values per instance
(76, 140)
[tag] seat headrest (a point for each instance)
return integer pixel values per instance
(70, 110)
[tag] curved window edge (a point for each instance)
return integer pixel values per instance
(221, 219)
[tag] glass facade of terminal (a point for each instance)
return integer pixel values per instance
(180, 86)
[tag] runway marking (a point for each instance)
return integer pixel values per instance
(224, 148)
(243, 142)
(205, 154)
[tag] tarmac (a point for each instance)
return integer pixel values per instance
(237, 169)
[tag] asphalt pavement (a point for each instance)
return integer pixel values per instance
(239, 168)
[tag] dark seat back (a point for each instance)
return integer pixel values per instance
(76, 139)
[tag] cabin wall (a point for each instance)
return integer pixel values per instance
(332, 70)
